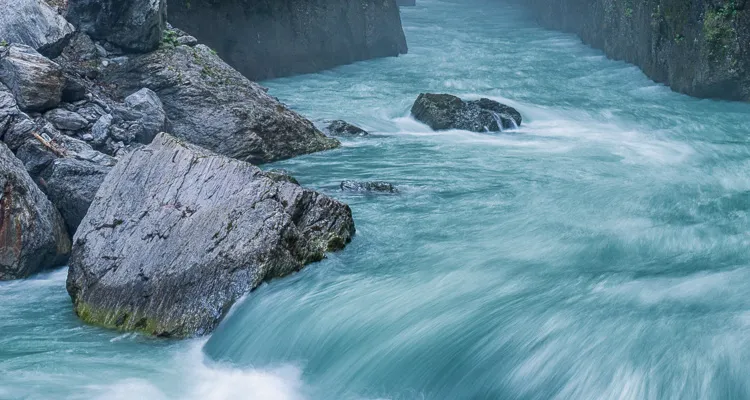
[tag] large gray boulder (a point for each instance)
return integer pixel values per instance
(210, 104)
(36, 82)
(177, 234)
(445, 111)
(32, 234)
(35, 24)
(135, 25)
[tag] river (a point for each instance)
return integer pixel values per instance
(601, 251)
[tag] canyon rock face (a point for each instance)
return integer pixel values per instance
(135, 25)
(32, 233)
(177, 234)
(698, 47)
(272, 38)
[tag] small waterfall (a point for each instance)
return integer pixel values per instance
(498, 120)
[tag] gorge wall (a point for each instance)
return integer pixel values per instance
(272, 38)
(698, 47)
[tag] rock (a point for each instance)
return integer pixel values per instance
(32, 235)
(187, 40)
(343, 128)
(35, 24)
(177, 234)
(445, 111)
(36, 82)
(71, 185)
(210, 104)
(145, 113)
(281, 175)
(100, 130)
(135, 25)
(81, 48)
(271, 38)
(369, 187)
(8, 109)
(66, 120)
(68, 170)
(73, 91)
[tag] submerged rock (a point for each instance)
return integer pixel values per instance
(210, 104)
(177, 234)
(368, 187)
(32, 234)
(135, 25)
(343, 128)
(36, 82)
(445, 111)
(35, 24)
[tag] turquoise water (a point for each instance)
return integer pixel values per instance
(599, 252)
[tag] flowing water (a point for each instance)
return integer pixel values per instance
(601, 251)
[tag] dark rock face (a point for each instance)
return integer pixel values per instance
(71, 185)
(36, 82)
(272, 38)
(177, 234)
(698, 47)
(343, 128)
(445, 111)
(35, 24)
(32, 234)
(212, 105)
(135, 25)
(368, 187)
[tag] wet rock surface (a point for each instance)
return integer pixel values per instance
(445, 111)
(368, 187)
(177, 234)
(343, 128)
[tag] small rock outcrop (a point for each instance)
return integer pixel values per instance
(272, 38)
(36, 82)
(445, 111)
(343, 128)
(176, 234)
(212, 105)
(135, 25)
(368, 187)
(35, 24)
(32, 235)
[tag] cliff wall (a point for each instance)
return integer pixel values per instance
(698, 47)
(272, 38)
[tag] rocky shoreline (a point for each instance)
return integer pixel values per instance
(82, 108)
(138, 142)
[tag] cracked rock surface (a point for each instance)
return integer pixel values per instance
(176, 234)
